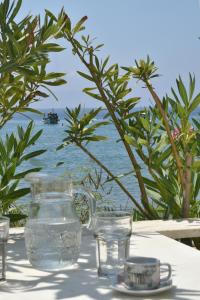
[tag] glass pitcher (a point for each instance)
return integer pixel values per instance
(53, 229)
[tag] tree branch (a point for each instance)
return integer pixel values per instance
(144, 198)
(115, 179)
(166, 124)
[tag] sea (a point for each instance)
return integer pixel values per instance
(75, 163)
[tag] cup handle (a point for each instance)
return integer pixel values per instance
(169, 272)
(92, 204)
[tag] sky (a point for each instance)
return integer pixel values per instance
(167, 30)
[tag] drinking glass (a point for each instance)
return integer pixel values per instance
(112, 230)
(4, 230)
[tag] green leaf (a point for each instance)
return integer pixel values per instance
(96, 138)
(42, 94)
(97, 62)
(86, 76)
(50, 91)
(34, 138)
(95, 96)
(197, 124)
(119, 176)
(61, 147)
(60, 163)
(196, 165)
(181, 111)
(23, 174)
(194, 104)
(121, 95)
(55, 83)
(17, 194)
(27, 132)
(29, 109)
(15, 11)
(67, 23)
(97, 125)
(157, 200)
(105, 63)
(130, 140)
(161, 158)
(54, 75)
(191, 86)
(51, 47)
(3, 153)
(7, 67)
(98, 47)
(175, 95)
(142, 142)
(182, 91)
(150, 183)
(79, 26)
(33, 154)
(145, 124)
(50, 14)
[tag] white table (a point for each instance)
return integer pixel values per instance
(82, 283)
(176, 229)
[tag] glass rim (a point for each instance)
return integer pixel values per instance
(45, 178)
(135, 261)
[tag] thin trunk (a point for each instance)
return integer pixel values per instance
(166, 124)
(116, 180)
(144, 197)
(188, 186)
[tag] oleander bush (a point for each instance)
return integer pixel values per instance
(25, 44)
(165, 137)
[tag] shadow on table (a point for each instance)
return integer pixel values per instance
(185, 294)
(64, 284)
(173, 294)
(79, 281)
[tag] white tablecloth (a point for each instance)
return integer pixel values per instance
(26, 283)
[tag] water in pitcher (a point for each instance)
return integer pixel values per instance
(53, 229)
(53, 245)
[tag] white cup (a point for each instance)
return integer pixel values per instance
(143, 273)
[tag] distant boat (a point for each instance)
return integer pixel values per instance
(51, 118)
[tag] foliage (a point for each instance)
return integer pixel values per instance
(80, 129)
(165, 136)
(25, 45)
(13, 152)
(24, 49)
(95, 181)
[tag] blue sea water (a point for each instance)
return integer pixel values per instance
(76, 163)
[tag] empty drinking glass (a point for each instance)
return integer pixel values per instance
(112, 230)
(4, 231)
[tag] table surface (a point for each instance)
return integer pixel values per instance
(26, 283)
(176, 229)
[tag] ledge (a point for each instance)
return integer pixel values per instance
(176, 229)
